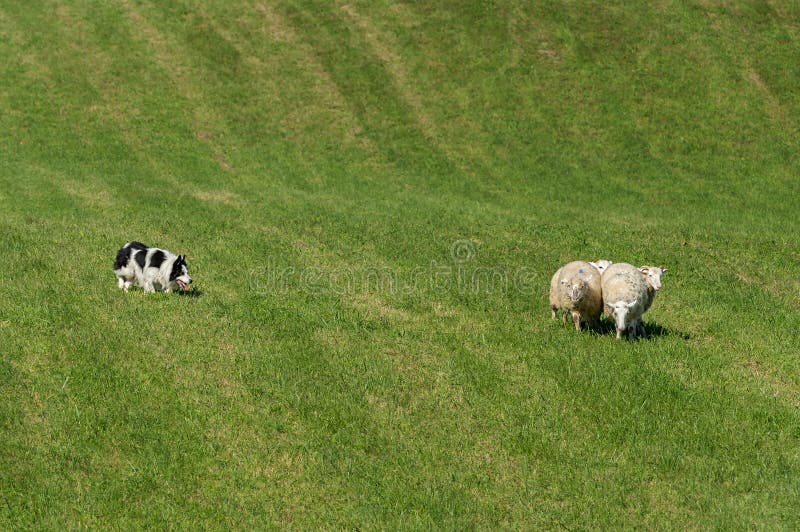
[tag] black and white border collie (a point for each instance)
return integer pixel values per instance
(151, 268)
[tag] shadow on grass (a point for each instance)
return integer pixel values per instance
(652, 330)
(194, 292)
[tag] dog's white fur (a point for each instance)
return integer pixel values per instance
(150, 268)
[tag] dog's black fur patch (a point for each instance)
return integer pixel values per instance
(140, 258)
(123, 255)
(176, 268)
(157, 258)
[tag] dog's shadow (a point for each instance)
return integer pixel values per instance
(652, 330)
(194, 292)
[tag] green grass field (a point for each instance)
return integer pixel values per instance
(372, 197)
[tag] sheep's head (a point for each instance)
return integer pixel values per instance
(577, 287)
(652, 275)
(601, 264)
(619, 311)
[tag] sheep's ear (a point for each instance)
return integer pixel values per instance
(663, 270)
(644, 269)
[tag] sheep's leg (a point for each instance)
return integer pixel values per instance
(553, 310)
(640, 327)
(576, 318)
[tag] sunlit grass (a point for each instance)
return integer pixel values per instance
(372, 197)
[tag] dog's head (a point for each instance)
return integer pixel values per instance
(180, 274)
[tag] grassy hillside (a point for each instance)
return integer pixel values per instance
(372, 197)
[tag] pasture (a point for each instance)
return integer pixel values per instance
(372, 197)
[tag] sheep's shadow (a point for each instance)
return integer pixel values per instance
(652, 330)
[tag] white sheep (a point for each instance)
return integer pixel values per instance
(652, 278)
(601, 265)
(555, 297)
(575, 289)
(625, 296)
